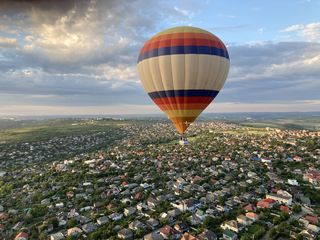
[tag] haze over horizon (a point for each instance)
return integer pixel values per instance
(79, 57)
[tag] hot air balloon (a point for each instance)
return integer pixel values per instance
(183, 69)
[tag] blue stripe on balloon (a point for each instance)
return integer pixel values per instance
(184, 50)
(184, 93)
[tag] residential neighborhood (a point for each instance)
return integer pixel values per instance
(135, 181)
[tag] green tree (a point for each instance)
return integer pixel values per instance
(296, 208)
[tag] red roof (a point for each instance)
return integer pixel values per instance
(269, 200)
(125, 184)
(22, 235)
(3, 216)
(285, 209)
(167, 230)
(249, 207)
(311, 219)
(266, 203)
(251, 215)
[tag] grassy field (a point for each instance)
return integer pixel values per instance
(55, 128)
(308, 123)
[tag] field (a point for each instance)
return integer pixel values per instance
(28, 131)
(290, 120)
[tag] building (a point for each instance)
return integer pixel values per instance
(229, 235)
(232, 225)
(280, 198)
(253, 216)
(102, 220)
(22, 236)
(242, 219)
(125, 234)
(207, 235)
(57, 236)
(312, 176)
(188, 236)
(266, 203)
(293, 182)
(153, 236)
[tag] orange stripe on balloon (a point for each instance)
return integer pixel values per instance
(182, 106)
(183, 35)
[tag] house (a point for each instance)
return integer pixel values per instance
(249, 208)
(89, 227)
(142, 206)
(312, 219)
(174, 213)
(181, 227)
(313, 228)
(285, 209)
(22, 236)
(153, 236)
(285, 199)
(57, 236)
(232, 225)
(297, 158)
(136, 225)
(129, 211)
(207, 235)
(200, 214)
(153, 223)
(75, 231)
(151, 202)
(266, 203)
(242, 219)
(102, 220)
(312, 176)
(59, 205)
(3, 216)
(125, 234)
(293, 182)
(168, 232)
(188, 236)
(253, 216)
(229, 235)
(187, 205)
(116, 216)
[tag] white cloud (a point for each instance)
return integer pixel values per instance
(310, 32)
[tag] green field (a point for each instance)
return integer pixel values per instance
(299, 124)
(48, 129)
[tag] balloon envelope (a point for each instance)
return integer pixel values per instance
(183, 69)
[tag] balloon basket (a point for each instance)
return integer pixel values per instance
(183, 141)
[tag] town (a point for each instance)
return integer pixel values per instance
(134, 181)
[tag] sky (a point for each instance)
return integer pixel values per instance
(79, 56)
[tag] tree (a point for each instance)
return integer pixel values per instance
(272, 233)
(296, 208)
(72, 223)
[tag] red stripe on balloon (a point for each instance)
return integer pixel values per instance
(181, 42)
(182, 100)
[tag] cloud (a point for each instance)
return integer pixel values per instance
(82, 55)
(294, 106)
(309, 32)
(269, 72)
(8, 42)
